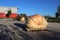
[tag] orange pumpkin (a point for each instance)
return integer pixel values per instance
(36, 22)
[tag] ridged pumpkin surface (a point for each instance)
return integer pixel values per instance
(36, 22)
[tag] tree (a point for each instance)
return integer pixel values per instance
(9, 13)
(21, 15)
(57, 14)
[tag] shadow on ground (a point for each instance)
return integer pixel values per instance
(23, 26)
(32, 35)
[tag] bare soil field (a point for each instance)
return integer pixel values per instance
(14, 30)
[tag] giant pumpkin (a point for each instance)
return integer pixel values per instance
(36, 22)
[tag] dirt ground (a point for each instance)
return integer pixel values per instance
(14, 30)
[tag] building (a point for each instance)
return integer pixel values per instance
(4, 11)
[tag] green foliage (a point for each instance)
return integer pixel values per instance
(24, 15)
(21, 15)
(47, 16)
(53, 19)
(57, 14)
(8, 14)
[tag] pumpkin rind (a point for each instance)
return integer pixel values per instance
(36, 22)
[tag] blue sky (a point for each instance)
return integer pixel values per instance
(30, 7)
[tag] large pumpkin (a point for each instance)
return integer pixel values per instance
(36, 22)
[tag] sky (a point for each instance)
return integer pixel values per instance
(31, 7)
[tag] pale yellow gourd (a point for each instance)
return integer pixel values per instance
(36, 22)
(22, 19)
